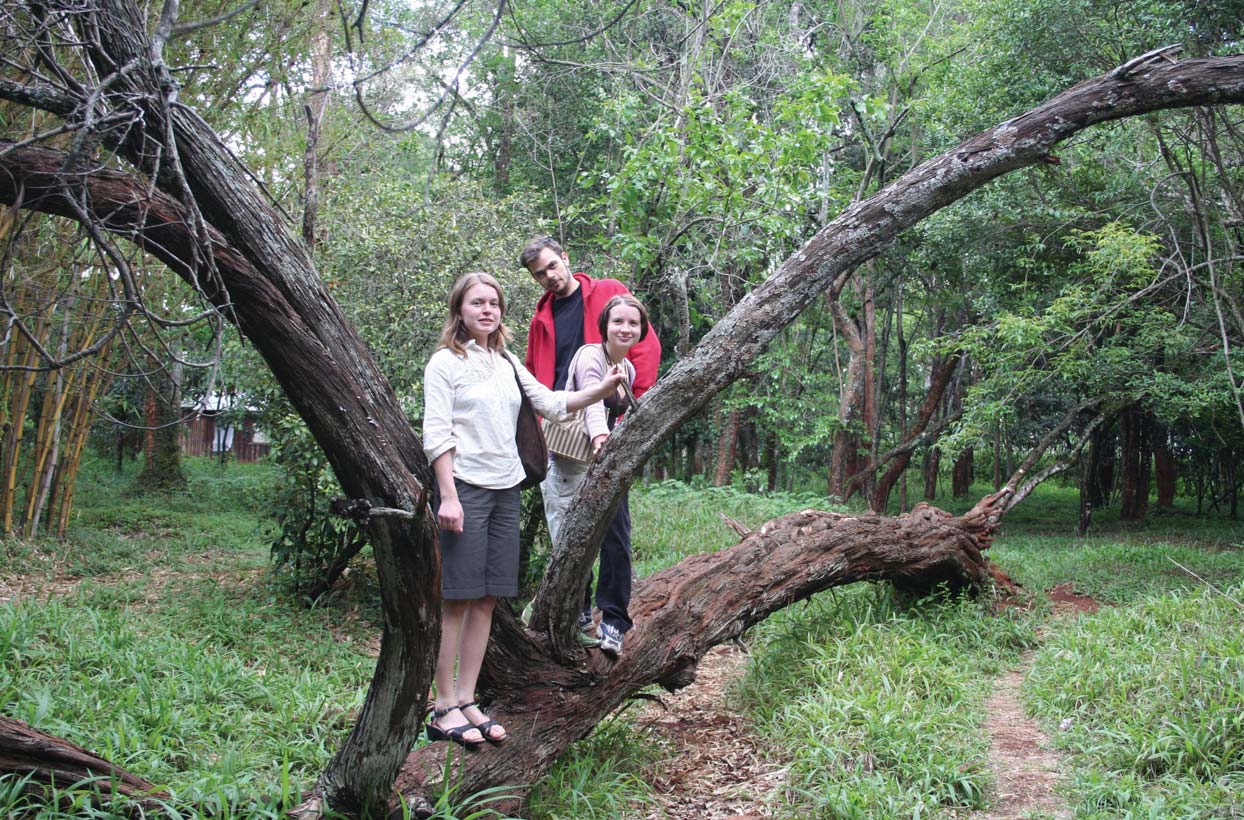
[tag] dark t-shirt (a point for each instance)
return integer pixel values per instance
(567, 334)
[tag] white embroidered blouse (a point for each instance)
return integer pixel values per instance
(470, 406)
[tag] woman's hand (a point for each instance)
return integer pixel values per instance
(449, 517)
(596, 391)
(597, 443)
(610, 382)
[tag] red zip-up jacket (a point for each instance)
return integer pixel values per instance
(541, 344)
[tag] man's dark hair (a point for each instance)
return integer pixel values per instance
(534, 247)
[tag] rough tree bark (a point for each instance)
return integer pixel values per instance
(267, 285)
(48, 760)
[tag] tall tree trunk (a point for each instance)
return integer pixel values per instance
(845, 454)
(941, 377)
(162, 442)
(1165, 470)
(962, 474)
(932, 463)
(871, 415)
(727, 441)
(771, 460)
(1093, 493)
(1135, 457)
(1231, 482)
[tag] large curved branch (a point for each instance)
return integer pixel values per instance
(828, 260)
(265, 280)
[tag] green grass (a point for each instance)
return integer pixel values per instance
(876, 706)
(217, 521)
(172, 653)
(162, 643)
(671, 521)
(1148, 699)
(599, 778)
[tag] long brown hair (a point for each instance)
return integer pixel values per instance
(454, 334)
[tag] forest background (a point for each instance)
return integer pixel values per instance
(688, 151)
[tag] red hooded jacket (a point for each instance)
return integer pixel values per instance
(541, 344)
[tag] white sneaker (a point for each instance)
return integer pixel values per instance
(610, 638)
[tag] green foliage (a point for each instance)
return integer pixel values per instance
(311, 543)
(397, 244)
(1108, 332)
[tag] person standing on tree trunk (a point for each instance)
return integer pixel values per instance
(567, 317)
(470, 413)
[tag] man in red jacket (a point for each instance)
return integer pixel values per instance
(565, 319)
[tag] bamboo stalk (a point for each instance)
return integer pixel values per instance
(97, 380)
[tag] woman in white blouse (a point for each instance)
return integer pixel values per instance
(470, 411)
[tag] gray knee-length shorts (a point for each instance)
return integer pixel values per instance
(481, 560)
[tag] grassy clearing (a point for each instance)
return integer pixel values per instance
(1148, 700)
(172, 654)
(154, 636)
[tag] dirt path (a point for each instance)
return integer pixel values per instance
(717, 769)
(1025, 768)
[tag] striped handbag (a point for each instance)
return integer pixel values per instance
(568, 438)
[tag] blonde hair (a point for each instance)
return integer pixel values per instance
(454, 333)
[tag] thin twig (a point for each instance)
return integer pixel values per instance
(1240, 604)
